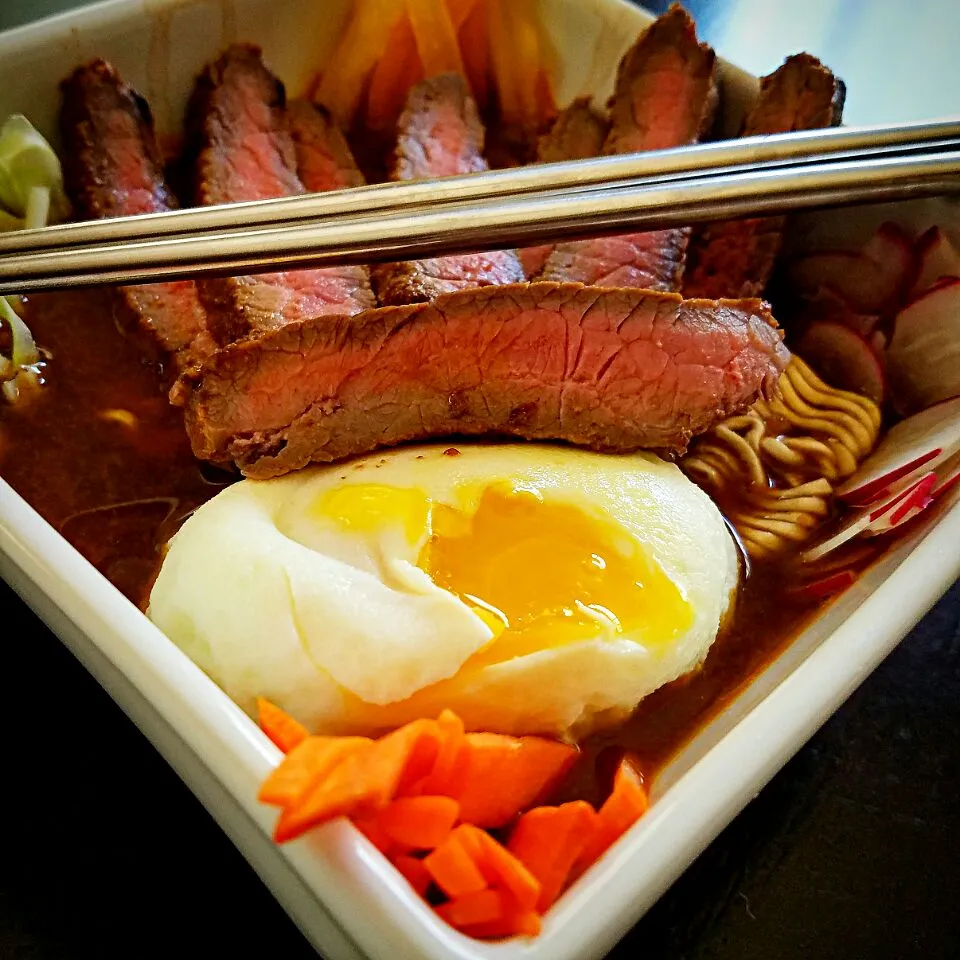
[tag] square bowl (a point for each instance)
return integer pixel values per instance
(343, 895)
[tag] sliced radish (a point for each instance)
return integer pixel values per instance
(843, 358)
(948, 473)
(923, 357)
(893, 251)
(829, 304)
(903, 507)
(826, 586)
(878, 518)
(937, 257)
(920, 442)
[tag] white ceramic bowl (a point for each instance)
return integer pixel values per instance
(342, 894)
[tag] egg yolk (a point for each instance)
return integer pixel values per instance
(540, 572)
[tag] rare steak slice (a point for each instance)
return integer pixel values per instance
(735, 258)
(578, 133)
(440, 135)
(240, 143)
(324, 160)
(614, 370)
(665, 96)
(113, 168)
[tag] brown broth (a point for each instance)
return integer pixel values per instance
(117, 493)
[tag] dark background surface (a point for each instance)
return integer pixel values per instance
(851, 852)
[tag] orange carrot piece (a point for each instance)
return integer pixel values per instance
(503, 776)
(366, 779)
(392, 78)
(626, 804)
(499, 867)
(306, 764)
(548, 841)
(360, 47)
(513, 923)
(484, 906)
(453, 869)
(451, 756)
(414, 872)
(419, 823)
(436, 37)
(474, 38)
(459, 10)
(369, 825)
(285, 732)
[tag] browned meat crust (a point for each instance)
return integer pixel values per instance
(736, 258)
(113, 167)
(665, 96)
(441, 135)
(614, 370)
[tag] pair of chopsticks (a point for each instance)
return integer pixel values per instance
(752, 176)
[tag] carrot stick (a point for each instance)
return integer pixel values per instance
(503, 776)
(304, 766)
(360, 47)
(453, 869)
(420, 823)
(436, 37)
(279, 726)
(451, 758)
(474, 38)
(459, 10)
(369, 825)
(414, 871)
(484, 906)
(626, 804)
(513, 923)
(499, 867)
(392, 78)
(548, 841)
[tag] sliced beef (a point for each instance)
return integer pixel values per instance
(578, 133)
(615, 370)
(665, 96)
(113, 168)
(736, 258)
(240, 142)
(324, 160)
(440, 135)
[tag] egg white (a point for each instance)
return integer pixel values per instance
(341, 627)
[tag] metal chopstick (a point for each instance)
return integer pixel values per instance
(473, 226)
(721, 158)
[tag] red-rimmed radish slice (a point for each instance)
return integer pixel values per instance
(826, 586)
(829, 304)
(937, 257)
(948, 473)
(923, 357)
(843, 358)
(872, 281)
(878, 517)
(903, 507)
(916, 444)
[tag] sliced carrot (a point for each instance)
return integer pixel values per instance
(360, 47)
(513, 923)
(474, 38)
(406, 756)
(419, 823)
(393, 76)
(453, 869)
(626, 804)
(484, 906)
(414, 871)
(451, 756)
(436, 37)
(369, 825)
(499, 867)
(304, 766)
(279, 726)
(503, 776)
(548, 841)
(459, 10)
